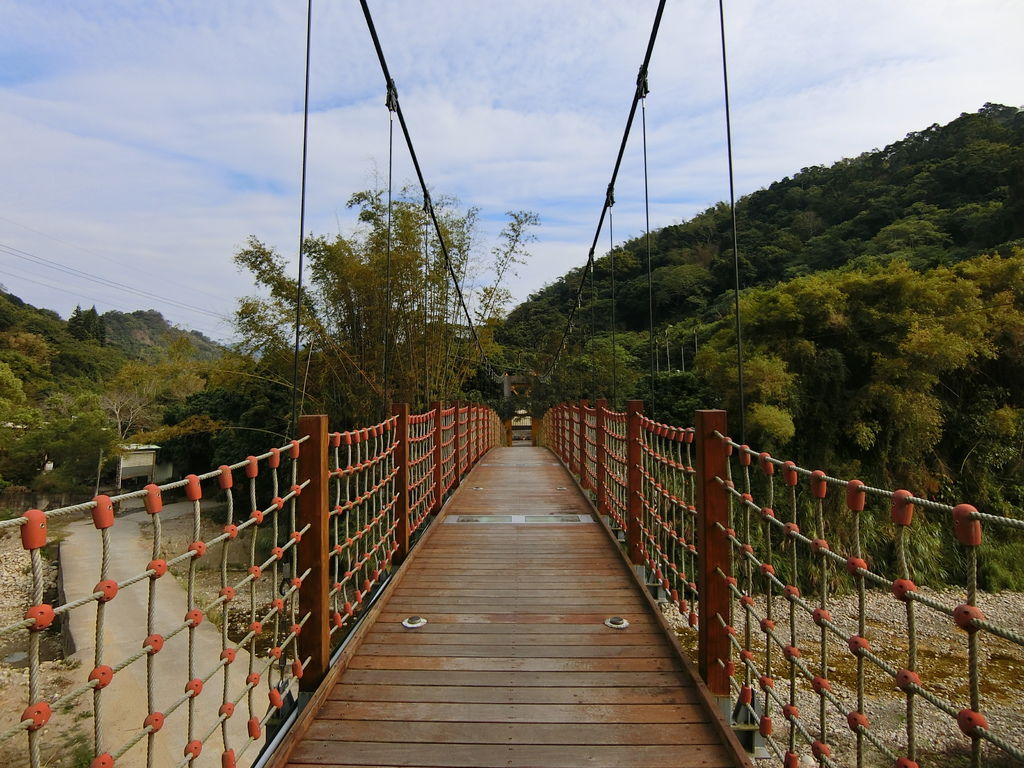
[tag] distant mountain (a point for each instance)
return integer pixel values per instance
(144, 333)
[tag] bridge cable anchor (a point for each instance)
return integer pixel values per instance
(616, 622)
(413, 622)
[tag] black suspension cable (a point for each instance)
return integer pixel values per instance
(735, 236)
(428, 205)
(641, 79)
(615, 350)
(647, 223)
(387, 268)
(593, 335)
(302, 226)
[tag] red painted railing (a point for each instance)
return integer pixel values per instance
(300, 540)
(741, 543)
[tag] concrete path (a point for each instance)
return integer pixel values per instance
(124, 701)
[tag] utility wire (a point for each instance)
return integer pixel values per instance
(428, 205)
(609, 196)
(302, 227)
(735, 236)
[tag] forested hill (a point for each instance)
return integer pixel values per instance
(938, 196)
(146, 334)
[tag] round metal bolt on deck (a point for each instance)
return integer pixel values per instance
(616, 622)
(413, 622)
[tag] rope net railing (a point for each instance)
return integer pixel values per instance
(224, 596)
(206, 685)
(779, 586)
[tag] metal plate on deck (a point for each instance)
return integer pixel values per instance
(560, 519)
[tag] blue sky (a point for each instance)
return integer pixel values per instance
(143, 142)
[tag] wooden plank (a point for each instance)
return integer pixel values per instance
(519, 617)
(511, 628)
(355, 753)
(407, 638)
(522, 652)
(513, 678)
(469, 694)
(512, 713)
(507, 733)
(362, 661)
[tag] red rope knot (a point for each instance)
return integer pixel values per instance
(42, 615)
(855, 496)
(297, 669)
(277, 502)
(274, 460)
(965, 616)
(194, 617)
(858, 645)
(969, 721)
(103, 675)
(730, 668)
(154, 721)
(276, 652)
(193, 488)
(278, 604)
(745, 456)
(746, 654)
(297, 582)
(33, 530)
(153, 644)
(158, 567)
(254, 728)
(256, 628)
(821, 616)
(105, 591)
(766, 682)
(901, 589)
(767, 626)
(767, 569)
(746, 695)
(819, 487)
(857, 720)
(275, 698)
(256, 515)
(791, 652)
(764, 462)
(746, 601)
(791, 712)
(297, 489)
(727, 444)
(789, 475)
(906, 762)
(255, 571)
(967, 529)
(198, 548)
(767, 512)
(335, 439)
(820, 749)
(227, 758)
(791, 592)
(907, 680)
(39, 713)
(339, 621)
(225, 479)
(821, 684)
(764, 726)
(231, 531)
(277, 552)
(854, 564)
(102, 512)
(194, 687)
(902, 511)
(293, 451)
(106, 760)
(819, 545)
(228, 593)
(227, 709)
(253, 679)
(791, 529)
(296, 536)
(193, 749)
(791, 760)
(252, 467)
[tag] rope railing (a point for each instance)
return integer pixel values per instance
(752, 565)
(283, 554)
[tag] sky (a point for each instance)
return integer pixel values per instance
(141, 144)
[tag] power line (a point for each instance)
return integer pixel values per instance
(427, 204)
(638, 93)
(106, 282)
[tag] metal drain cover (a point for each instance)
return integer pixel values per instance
(616, 622)
(413, 622)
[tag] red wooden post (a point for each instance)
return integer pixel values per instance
(313, 549)
(712, 552)
(581, 453)
(634, 410)
(457, 447)
(600, 479)
(438, 408)
(401, 410)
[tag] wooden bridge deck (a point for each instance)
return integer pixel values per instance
(515, 666)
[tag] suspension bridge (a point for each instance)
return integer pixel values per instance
(422, 591)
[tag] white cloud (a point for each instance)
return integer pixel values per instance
(146, 141)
